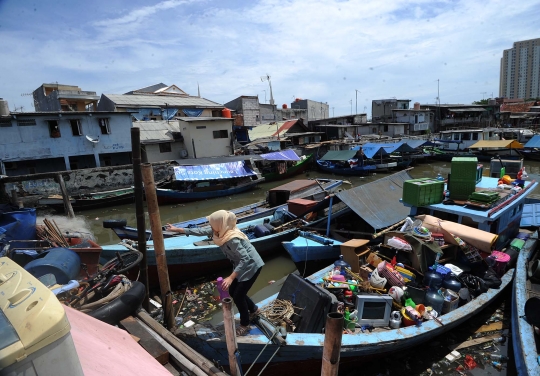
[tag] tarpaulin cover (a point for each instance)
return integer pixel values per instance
(534, 142)
(212, 171)
(377, 202)
(418, 143)
(339, 155)
(284, 155)
(513, 144)
(371, 149)
(17, 224)
(192, 112)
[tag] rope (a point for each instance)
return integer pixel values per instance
(279, 311)
(118, 290)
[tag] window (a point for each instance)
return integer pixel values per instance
(76, 127)
(475, 136)
(456, 136)
(221, 134)
(385, 128)
(466, 136)
(26, 122)
(104, 126)
(54, 130)
(5, 122)
(165, 147)
(200, 127)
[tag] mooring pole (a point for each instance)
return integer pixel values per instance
(159, 245)
(230, 336)
(65, 197)
(139, 210)
(332, 344)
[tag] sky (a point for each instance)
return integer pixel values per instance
(345, 53)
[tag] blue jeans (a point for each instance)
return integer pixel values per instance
(244, 304)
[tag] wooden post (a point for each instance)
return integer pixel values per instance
(159, 245)
(15, 199)
(332, 344)
(230, 336)
(65, 196)
(139, 210)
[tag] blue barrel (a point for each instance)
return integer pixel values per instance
(63, 263)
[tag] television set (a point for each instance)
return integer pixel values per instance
(374, 310)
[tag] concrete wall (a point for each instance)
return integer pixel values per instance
(394, 130)
(153, 153)
(87, 180)
(250, 109)
(199, 138)
(315, 110)
(35, 142)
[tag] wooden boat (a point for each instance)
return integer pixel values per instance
(303, 351)
(530, 149)
(281, 165)
(526, 310)
(344, 162)
(194, 256)
(202, 182)
(313, 189)
(92, 200)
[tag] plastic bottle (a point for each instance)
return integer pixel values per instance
(347, 314)
(353, 315)
(440, 177)
(498, 357)
(434, 299)
(222, 293)
(451, 283)
(341, 264)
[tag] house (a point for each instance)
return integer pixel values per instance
(420, 120)
(206, 136)
(449, 116)
(161, 140)
(34, 142)
(160, 102)
(381, 109)
(58, 97)
(340, 127)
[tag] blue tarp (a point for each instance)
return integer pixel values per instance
(534, 142)
(168, 113)
(144, 113)
(284, 155)
(371, 149)
(16, 224)
(417, 143)
(212, 171)
(192, 112)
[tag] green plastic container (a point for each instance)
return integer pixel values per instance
(461, 189)
(517, 244)
(466, 168)
(421, 192)
(484, 196)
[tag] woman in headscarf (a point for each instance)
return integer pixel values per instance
(238, 249)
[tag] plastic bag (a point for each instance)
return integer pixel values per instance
(376, 280)
(399, 243)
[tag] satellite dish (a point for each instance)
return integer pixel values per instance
(95, 140)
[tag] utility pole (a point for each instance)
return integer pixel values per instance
(332, 111)
(351, 106)
(483, 94)
(356, 101)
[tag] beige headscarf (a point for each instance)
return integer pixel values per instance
(224, 222)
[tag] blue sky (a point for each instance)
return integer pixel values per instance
(322, 50)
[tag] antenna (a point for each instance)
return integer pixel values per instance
(267, 78)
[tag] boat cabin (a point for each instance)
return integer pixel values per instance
(460, 139)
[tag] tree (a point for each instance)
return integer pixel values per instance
(482, 102)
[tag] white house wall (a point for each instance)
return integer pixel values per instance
(154, 155)
(203, 139)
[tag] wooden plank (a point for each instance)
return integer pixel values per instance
(137, 339)
(473, 342)
(148, 342)
(492, 327)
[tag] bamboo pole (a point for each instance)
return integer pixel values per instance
(65, 196)
(230, 336)
(377, 234)
(139, 211)
(332, 344)
(193, 356)
(159, 245)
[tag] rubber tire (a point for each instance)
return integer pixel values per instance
(123, 306)
(114, 223)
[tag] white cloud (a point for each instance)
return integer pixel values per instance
(322, 50)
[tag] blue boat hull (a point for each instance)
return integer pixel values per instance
(171, 196)
(304, 350)
(354, 171)
(523, 337)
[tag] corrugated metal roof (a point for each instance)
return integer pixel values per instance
(160, 100)
(378, 202)
(534, 142)
(265, 131)
(497, 144)
(470, 109)
(339, 155)
(156, 131)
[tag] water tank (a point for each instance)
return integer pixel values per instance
(492, 102)
(4, 108)
(284, 106)
(298, 99)
(226, 113)
(416, 105)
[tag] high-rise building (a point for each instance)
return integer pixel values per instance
(520, 70)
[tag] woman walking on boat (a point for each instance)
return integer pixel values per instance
(238, 249)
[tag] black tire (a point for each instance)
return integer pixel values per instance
(121, 307)
(114, 223)
(129, 260)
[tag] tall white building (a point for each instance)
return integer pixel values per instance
(520, 70)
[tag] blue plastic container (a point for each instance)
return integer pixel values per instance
(63, 263)
(341, 264)
(450, 282)
(432, 279)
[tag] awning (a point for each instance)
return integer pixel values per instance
(212, 171)
(378, 202)
(339, 155)
(284, 155)
(372, 149)
(534, 142)
(509, 144)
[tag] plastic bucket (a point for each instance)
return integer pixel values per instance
(349, 324)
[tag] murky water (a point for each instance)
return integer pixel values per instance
(281, 265)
